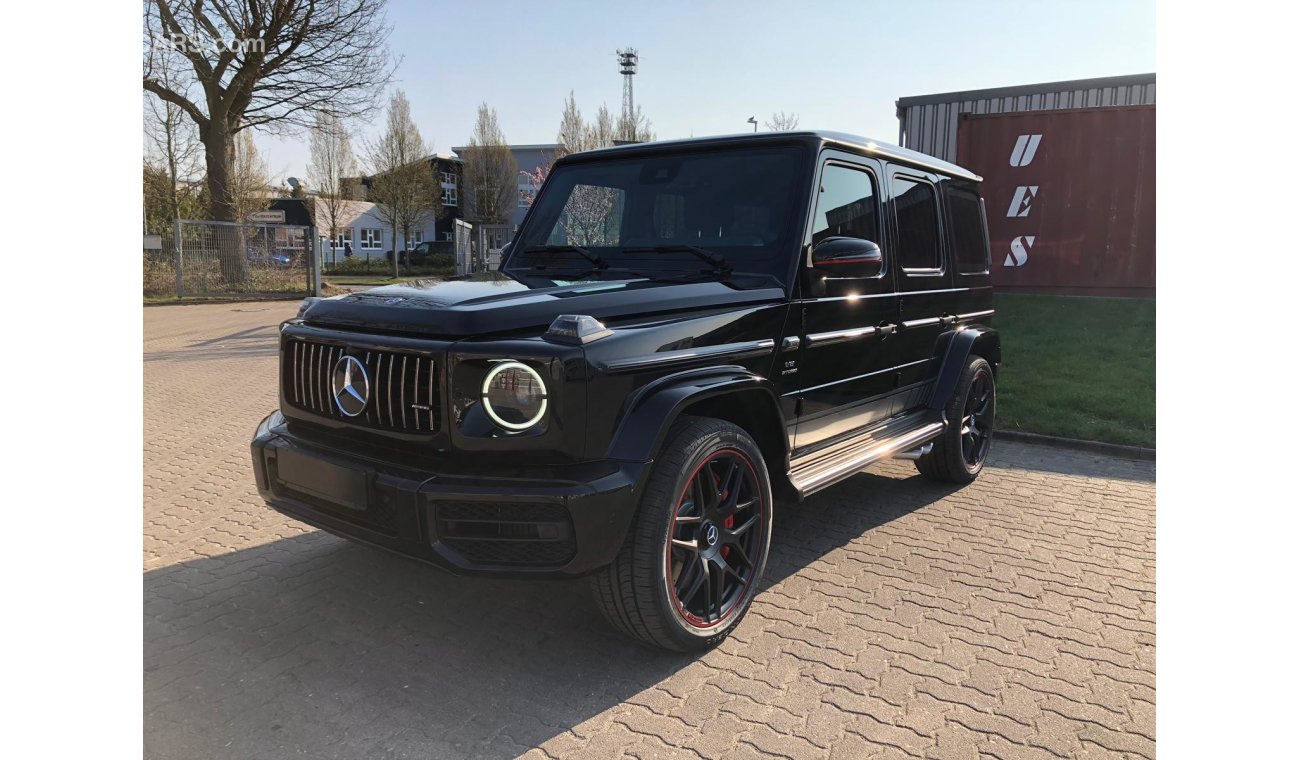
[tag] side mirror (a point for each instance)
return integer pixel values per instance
(848, 257)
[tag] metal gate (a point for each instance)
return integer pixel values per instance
(240, 259)
(464, 246)
(478, 248)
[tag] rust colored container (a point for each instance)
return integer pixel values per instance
(1070, 197)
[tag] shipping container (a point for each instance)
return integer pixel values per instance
(928, 123)
(1069, 170)
(1070, 198)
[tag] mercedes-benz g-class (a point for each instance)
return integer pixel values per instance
(679, 334)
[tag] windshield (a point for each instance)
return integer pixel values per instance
(721, 213)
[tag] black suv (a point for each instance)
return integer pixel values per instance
(680, 333)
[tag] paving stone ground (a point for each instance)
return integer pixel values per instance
(1014, 618)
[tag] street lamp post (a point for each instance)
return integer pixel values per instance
(753, 121)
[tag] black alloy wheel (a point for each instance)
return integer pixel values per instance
(716, 530)
(959, 452)
(977, 420)
(693, 557)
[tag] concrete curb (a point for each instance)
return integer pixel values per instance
(1096, 447)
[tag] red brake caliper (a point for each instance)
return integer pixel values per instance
(730, 521)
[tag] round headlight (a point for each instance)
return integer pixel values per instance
(514, 396)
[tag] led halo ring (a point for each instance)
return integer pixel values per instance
(487, 405)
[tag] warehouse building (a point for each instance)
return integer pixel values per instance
(1069, 178)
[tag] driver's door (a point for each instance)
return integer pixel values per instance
(845, 370)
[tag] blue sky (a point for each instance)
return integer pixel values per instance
(707, 66)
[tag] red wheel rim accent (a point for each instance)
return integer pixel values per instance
(716, 539)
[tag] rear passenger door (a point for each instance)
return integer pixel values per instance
(925, 295)
(843, 375)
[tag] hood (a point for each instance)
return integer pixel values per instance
(495, 303)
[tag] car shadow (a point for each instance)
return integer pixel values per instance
(314, 645)
(244, 344)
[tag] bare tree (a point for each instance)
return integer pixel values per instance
(249, 185)
(270, 64)
(332, 165)
(636, 129)
(403, 186)
(174, 155)
(782, 122)
(490, 171)
(573, 130)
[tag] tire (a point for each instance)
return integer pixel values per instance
(660, 592)
(959, 453)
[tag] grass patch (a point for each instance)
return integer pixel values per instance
(1078, 367)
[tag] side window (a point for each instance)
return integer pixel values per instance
(969, 236)
(846, 206)
(916, 216)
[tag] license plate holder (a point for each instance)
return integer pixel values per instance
(343, 486)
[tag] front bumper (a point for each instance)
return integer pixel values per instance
(563, 521)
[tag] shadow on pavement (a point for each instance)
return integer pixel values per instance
(246, 344)
(317, 646)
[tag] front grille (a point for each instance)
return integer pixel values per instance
(520, 534)
(404, 388)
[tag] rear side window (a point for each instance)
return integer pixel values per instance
(846, 205)
(969, 237)
(916, 215)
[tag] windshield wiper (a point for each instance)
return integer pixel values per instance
(596, 259)
(719, 264)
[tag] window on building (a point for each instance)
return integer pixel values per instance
(415, 238)
(372, 238)
(449, 194)
(916, 215)
(344, 239)
(969, 236)
(291, 238)
(846, 205)
(446, 236)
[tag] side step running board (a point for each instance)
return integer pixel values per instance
(814, 473)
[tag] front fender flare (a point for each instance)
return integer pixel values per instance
(651, 411)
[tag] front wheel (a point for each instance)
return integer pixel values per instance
(958, 454)
(695, 552)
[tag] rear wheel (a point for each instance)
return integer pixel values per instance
(959, 453)
(698, 545)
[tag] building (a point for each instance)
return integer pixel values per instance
(1069, 178)
(371, 234)
(529, 159)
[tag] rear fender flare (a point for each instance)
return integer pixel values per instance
(956, 348)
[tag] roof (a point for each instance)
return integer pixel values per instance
(877, 148)
(539, 146)
(1028, 89)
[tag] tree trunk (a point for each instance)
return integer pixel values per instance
(397, 255)
(219, 154)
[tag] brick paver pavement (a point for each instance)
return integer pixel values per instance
(1014, 618)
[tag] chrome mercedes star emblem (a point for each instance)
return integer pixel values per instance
(711, 534)
(351, 386)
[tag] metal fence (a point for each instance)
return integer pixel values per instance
(479, 247)
(233, 259)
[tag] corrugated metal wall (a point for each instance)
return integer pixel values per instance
(928, 123)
